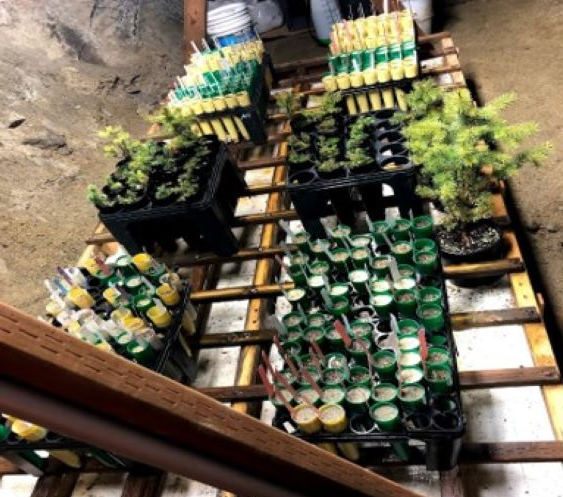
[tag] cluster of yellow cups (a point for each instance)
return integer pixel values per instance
(372, 32)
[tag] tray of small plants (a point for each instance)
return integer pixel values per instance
(368, 351)
(132, 306)
(187, 187)
(328, 150)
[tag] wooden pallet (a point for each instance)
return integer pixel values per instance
(246, 395)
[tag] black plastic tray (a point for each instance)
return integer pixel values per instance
(204, 223)
(442, 445)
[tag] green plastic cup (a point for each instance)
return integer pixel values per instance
(407, 270)
(405, 302)
(295, 336)
(339, 290)
(380, 286)
(385, 363)
(142, 303)
(315, 334)
(357, 399)
(340, 259)
(316, 319)
(381, 228)
(333, 394)
(412, 397)
(408, 328)
(425, 244)
(359, 375)
(402, 230)
(302, 240)
(336, 360)
(333, 337)
(402, 251)
(410, 359)
(380, 266)
(335, 376)
(292, 347)
(319, 249)
(359, 279)
(431, 316)
(438, 339)
(361, 329)
(384, 392)
(360, 257)
(316, 282)
(278, 403)
(357, 352)
(439, 378)
(318, 268)
(314, 373)
(293, 321)
(340, 233)
(363, 240)
(437, 356)
(422, 226)
(297, 275)
(341, 305)
(298, 297)
(409, 344)
(408, 376)
(385, 415)
(308, 395)
(430, 295)
(426, 262)
(383, 304)
(141, 352)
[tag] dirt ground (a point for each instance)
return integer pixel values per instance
(68, 68)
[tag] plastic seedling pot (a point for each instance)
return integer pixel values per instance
(333, 418)
(334, 338)
(361, 241)
(341, 305)
(278, 403)
(431, 316)
(335, 376)
(316, 282)
(380, 287)
(384, 392)
(298, 297)
(409, 344)
(409, 376)
(333, 394)
(316, 334)
(297, 275)
(438, 356)
(381, 228)
(357, 398)
(406, 270)
(302, 240)
(402, 251)
(385, 363)
(410, 360)
(385, 415)
(307, 360)
(425, 244)
(401, 230)
(357, 352)
(317, 319)
(340, 258)
(405, 302)
(426, 262)
(412, 397)
(314, 373)
(361, 329)
(319, 249)
(340, 233)
(293, 321)
(307, 419)
(380, 266)
(383, 304)
(289, 376)
(320, 267)
(339, 290)
(422, 226)
(296, 336)
(430, 295)
(360, 257)
(142, 303)
(308, 395)
(359, 375)
(359, 279)
(405, 284)
(438, 339)
(439, 378)
(336, 360)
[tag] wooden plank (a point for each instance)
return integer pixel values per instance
(263, 189)
(55, 485)
(262, 162)
(245, 254)
(483, 269)
(144, 485)
(265, 217)
(234, 339)
(451, 484)
(8, 467)
(194, 24)
(511, 452)
(501, 317)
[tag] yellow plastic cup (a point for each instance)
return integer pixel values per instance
(160, 317)
(206, 128)
(142, 261)
(106, 347)
(370, 76)
(112, 295)
(231, 128)
(196, 107)
(351, 105)
(383, 72)
(375, 100)
(134, 324)
(66, 456)
(350, 450)
(333, 417)
(80, 298)
(371, 41)
(343, 81)
(401, 101)
(329, 447)
(329, 83)
(243, 99)
(53, 308)
(219, 130)
(121, 314)
(307, 419)
(410, 67)
(357, 79)
(388, 100)
(397, 71)
(207, 104)
(362, 101)
(231, 101)
(28, 431)
(219, 103)
(242, 128)
(168, 294)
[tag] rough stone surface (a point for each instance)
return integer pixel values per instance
(68, 68)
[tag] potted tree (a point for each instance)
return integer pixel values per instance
(463, 150)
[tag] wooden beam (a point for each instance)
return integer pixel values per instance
(265, 217)
(42, 366)
(262, 162)
(484, 269)
(195, 19)
(234, 339)
(501, 317)
(511, 452)
(144, 484)
(55, 485)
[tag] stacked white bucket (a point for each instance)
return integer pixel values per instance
(230, 24)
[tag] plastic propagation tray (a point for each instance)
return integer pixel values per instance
(203, 222)
(439, 426)
(315, 196)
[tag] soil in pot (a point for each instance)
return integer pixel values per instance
(477, 242)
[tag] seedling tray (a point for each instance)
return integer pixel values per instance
(254, 116)
(441, 430)
(311, 193)
(203, 222)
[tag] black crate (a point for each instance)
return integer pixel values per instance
(203, 222)
(436, 434)
(254, 116)
(315, 196)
